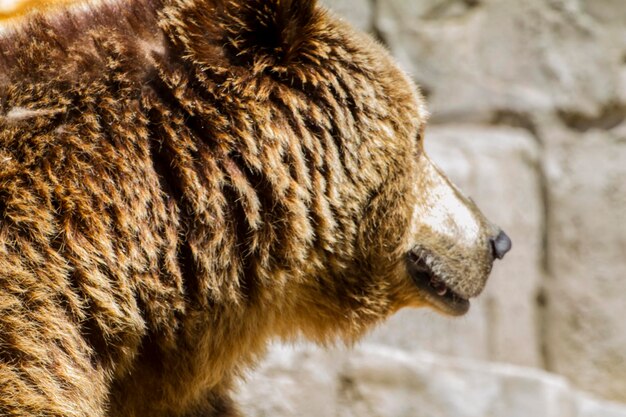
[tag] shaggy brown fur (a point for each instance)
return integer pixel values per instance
(179, 183)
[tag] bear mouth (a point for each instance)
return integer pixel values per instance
(434, 288)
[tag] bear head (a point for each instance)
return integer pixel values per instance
(375, 225)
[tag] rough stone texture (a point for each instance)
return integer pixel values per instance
(482, 161)
(585, 328)
(477, 58)
(383, 382)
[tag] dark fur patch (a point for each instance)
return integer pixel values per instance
(273, 30)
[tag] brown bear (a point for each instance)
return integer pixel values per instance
(183, 180)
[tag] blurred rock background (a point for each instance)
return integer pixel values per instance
(528, 103)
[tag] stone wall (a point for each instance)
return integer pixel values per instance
(528, 102)
(376, 381)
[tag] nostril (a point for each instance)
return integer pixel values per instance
(501, 245)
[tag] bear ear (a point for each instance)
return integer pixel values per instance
(277, 30)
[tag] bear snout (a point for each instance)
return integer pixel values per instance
(501, 245)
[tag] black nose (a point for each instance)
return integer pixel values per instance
(500, 245)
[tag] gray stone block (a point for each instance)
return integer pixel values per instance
(477, 58)
(585, 326)
(376, 381)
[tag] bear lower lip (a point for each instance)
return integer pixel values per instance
(437, 293)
